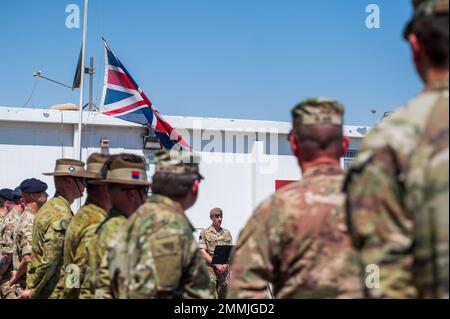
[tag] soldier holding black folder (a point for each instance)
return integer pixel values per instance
(211, 237)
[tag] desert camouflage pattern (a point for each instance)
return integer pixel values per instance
(208, 240)
(80, 231)
(398, 202)
(157, 255)
(97, 283)
(297, 241)
(7, 232)
(7, 250)
(47, 247)
(22, 241)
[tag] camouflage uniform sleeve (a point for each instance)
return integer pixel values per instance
(103, 280)
(380, 227)
(7, 240)
(51, 261)
(254, 256)
(202, 240)
(87, 284)
(78, 257)
(195, 282)
(26, 235)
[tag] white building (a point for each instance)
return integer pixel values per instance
(242, 160)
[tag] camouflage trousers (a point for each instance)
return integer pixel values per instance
(219, 283)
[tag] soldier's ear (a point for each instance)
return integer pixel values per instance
(294, 144)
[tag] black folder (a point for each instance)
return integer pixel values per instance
(222, 255)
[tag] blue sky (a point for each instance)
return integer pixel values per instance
(245, 59)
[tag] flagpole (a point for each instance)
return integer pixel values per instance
(78, 152)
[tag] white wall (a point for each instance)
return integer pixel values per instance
(237, 178)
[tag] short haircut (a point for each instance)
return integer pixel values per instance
(432, 32)
(318, 140)
(173, 185)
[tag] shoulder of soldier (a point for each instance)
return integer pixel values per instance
(87, 215)
(152, 216)
(55, 205)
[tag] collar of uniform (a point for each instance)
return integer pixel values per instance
(322, 169)
(116, 213)
(63, 199)
(90, 201)
(28, 209)
(214, 230)
(438, 85)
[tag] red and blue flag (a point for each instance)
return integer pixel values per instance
(122, 98)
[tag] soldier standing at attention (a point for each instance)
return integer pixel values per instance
(398, 195)
(157, 255)
(297, 240)
(209, 238)
(7, 242)
(49, 229)
(127, 184)
(82, 228)
(5, 206)
(34, 196)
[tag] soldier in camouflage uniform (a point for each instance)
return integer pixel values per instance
(82, 228)
(127, 183)
(210, 237)
(157, 256)
(7, 243)
(297, 240)
(34, 197)
(49, 230)
(397, 187)
(5, 207)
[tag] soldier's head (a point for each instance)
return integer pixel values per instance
(317, 131)
(126, 178)
(177, 176)
(12, 198)
(34, 193)
(428, 36)
(7, 198)
(216, 216)
(97, 192)
(70, 178)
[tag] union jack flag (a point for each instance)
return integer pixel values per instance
(122, 98)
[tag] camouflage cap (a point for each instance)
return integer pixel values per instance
(68, 167)
(128, 169)
(320, 110)
(95, 164)
(216, 212)
(176, 162)
(426, 8)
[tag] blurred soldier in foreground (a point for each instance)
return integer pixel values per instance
(16, 206)
(157, 256)
(209, 238)
(127, 185)
(82, 228)
(398, 200)
(297, 240)
(34, 196)
(49, 230)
